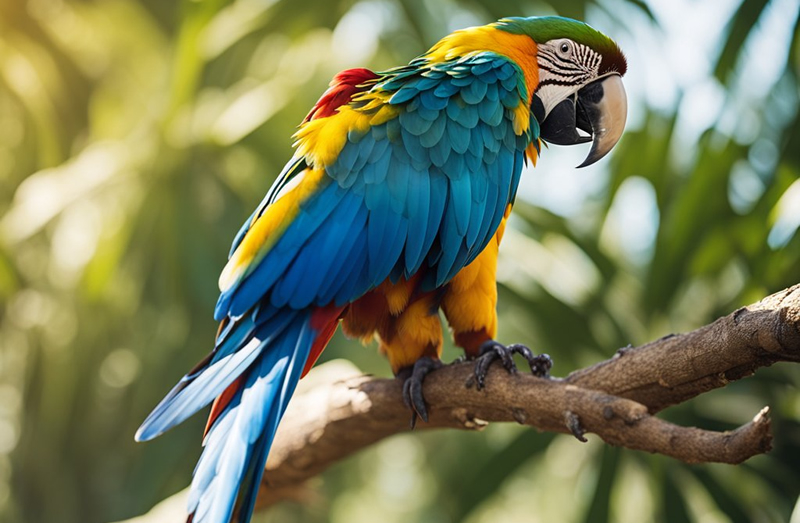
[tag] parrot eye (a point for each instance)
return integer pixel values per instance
(564, 49)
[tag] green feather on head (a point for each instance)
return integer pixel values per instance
(545, 28)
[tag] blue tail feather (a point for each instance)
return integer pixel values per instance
(229, 472)
(199, 388)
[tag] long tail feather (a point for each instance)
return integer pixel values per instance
(238, 351)
(229, 472)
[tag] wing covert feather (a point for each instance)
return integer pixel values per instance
(425, 188)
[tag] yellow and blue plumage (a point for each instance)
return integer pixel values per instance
(392, 208)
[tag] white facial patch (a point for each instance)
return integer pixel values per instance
(564, 68)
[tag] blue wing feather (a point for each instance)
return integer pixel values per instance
(459, 138)
(314, 263)
(352, 248)
(392, 245)
(274, 264)
(475, 92)
(439, 153)
(345, 287)
(493, 193)
(414, 123)
(432, 136)
(398, 180)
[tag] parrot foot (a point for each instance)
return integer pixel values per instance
(412, 386)
(491, 351)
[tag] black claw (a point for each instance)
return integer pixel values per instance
(407, 393)
(412, 386)
(491, 351)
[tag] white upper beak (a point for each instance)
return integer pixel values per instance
(607, 116)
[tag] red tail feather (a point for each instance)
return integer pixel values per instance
(221, 402)
(324, 320)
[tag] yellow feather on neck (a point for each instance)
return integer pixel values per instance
(521, 49)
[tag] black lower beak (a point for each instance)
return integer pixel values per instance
(562, 124)
(599, 109)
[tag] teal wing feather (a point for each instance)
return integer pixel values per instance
(425, 190)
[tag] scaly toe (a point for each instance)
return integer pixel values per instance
(492, 350)
(540, 363)
(412, 386)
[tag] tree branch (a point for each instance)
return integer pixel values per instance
(614, 399)
(676, 368)
(337, 412)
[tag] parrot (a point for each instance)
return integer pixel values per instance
(390, 212)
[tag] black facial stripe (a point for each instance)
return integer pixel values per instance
(559, 69)
(567, 79)
(553, 81)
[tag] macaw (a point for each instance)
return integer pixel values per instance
(391, 209)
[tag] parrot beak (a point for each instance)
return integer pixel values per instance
(599, 109)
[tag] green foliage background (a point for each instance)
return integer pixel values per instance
(135, 136)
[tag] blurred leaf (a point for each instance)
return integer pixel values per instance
(599, 508)
(724, 499)
(673, 500)
(745, 18)
(480, 481)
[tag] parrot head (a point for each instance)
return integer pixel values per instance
(579, 85)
